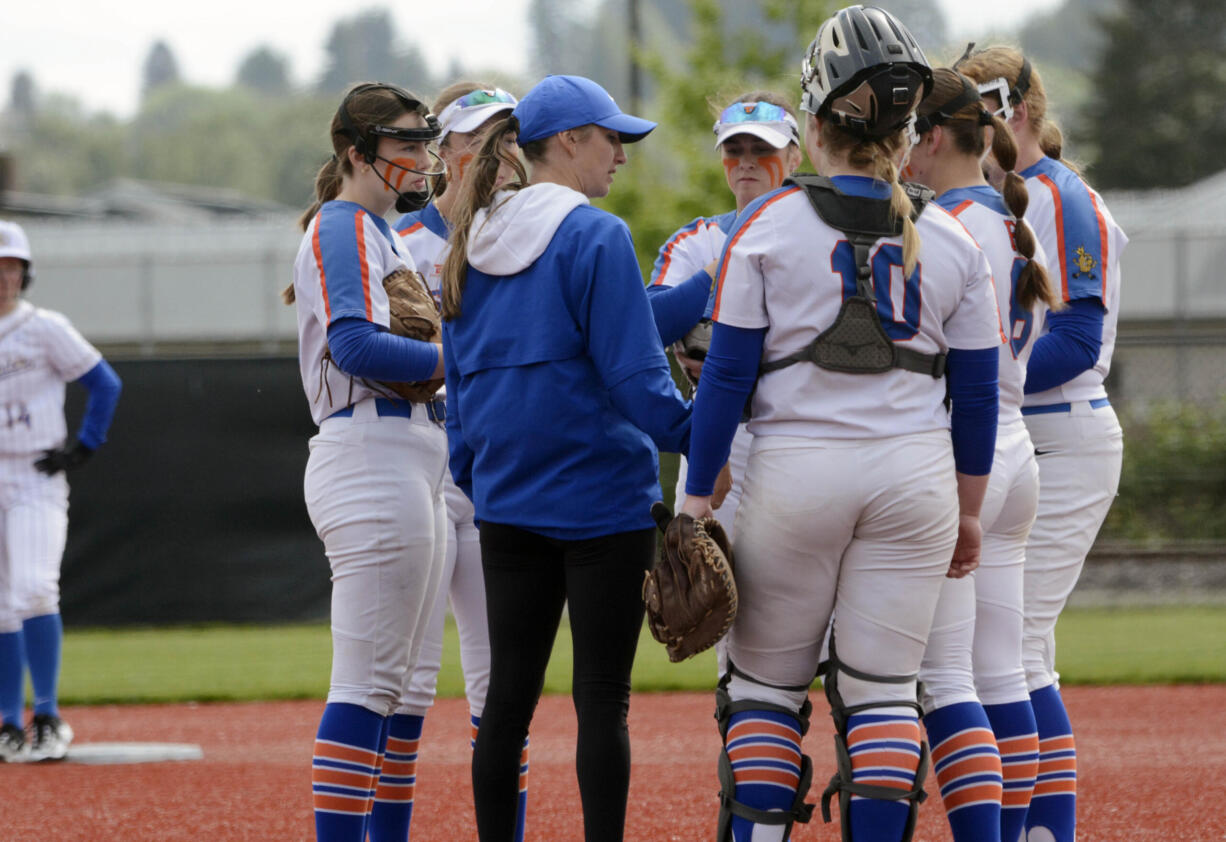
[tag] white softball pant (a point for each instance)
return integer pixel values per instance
(374, 491)
(975, 647)
(861, 531)
(464, 583)
(1080, 452)
(33, 530)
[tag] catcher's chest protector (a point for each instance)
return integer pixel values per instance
(857, 343)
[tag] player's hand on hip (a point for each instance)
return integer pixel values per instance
(57, 459)
(966, 551)
(723, 484)
(696, 507)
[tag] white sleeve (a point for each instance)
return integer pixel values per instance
(68, 352)
(740, 297)
(975, 322)
(685, 252)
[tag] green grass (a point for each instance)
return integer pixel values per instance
(1096, 646)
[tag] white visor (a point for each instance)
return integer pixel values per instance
(778, 134)
(456, 118)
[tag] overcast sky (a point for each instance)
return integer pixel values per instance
(94, 51)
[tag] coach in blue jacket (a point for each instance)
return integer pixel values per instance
(557, 388)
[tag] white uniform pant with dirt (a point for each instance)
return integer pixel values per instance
(33, 530)
(1080, 452)
(464, 583)
(975, 647)
(374, 491)
(862, 531)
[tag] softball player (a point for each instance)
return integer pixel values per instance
(559, 388)
(974, 687)
(1076, 435)
(758, 139)
(465, 110)
(860, 487)
(374, 479)
(40, 351)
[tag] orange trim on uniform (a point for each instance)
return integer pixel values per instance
(1102, 241)
(399, 745)
(341, 777)
(329, 802)
(1062, 743)
(395, 793)
(1025, 744)
(747, 729)
(723, 266)
(758, 775)
(884, 731)
(764, 751)
(965, 739)
(360, 232)
(1062, 786)
(400, 768)
(346, 753)
(668, 250)
(1000, 322)
(1015, 797)
(414, 227)
(889, 783)
(1058, 209)
(977, 764)
(890, 758)
(319, 262)
(963, 205)
(979, 794)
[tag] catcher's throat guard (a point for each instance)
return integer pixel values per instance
(690, 593)
(857, 343)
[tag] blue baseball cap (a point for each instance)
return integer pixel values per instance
(558, 103)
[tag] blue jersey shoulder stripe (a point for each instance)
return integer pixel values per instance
(341, 254)
(1081, 231)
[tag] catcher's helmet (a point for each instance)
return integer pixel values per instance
(865, 72)
(14, 243)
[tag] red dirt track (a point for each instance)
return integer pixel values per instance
(1151, 762)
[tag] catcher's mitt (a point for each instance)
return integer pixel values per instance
(415, 315)
(690, 594)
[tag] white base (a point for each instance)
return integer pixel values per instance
(101, 754)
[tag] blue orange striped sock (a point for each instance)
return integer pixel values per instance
(764, 749)
(1018, 740)
(1054, 805)
(885, 751)
(12, 677)
(392, 813)
(967, 766)
(344, 771)
(521, 816)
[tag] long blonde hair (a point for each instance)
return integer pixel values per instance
(476, 192)
(967, 131)
(878, 155)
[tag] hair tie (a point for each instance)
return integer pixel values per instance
(335, 159)
(985, 119)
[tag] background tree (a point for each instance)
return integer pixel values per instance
(1156, 116)
(264, 70)
(161, 68)
(23, 95)
(365, 48)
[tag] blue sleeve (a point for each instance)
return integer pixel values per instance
(975, 405)
(461, 455)
(652, 403)
(678, 308)
(104, 387)
(344, 270)
(363, 349)
(1071, 345)
(611, 308)
(728, 378)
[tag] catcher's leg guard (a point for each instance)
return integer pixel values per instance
(779, 747)
(843, 783)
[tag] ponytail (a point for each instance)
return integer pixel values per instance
(1033, 284)
(476, 192)
(327, 187)
(900, 206)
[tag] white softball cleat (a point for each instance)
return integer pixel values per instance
(49, 738)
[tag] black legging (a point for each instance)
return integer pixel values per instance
(528, 579)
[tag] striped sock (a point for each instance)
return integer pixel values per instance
(885, 751)
(1018, 739)
(764, 748)
(1054, 805)
(968, 770)
(12, 677)
(521, 815)
(392, 812)
(344, 771)
(44, 637)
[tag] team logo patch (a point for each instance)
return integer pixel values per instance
(1085, 264)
